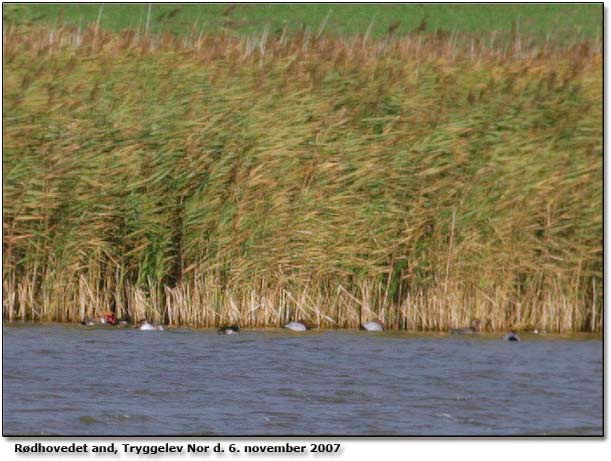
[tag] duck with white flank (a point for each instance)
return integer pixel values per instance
(297, 326)
(146, 326)
(372, 326)
(229, 330)
(473, 329)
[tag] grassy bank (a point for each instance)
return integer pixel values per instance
(421, 179)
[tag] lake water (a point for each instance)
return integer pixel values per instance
(72, 380)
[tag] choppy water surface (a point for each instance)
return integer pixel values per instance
(69, 380)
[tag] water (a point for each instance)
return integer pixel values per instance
(69, 380)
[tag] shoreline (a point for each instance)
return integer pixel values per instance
(579, 335)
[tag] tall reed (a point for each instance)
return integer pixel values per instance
(422, 180)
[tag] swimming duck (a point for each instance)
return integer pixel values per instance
(145, 326)
(229, 330)
(124, 321)
(473, 329)
(372, 326)
(297, 326)
(512, 336)
(108, 318)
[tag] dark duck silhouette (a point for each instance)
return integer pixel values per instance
(228, 330)
(512, 336)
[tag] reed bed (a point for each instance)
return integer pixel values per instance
(421, 180)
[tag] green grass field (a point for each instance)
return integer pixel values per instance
(571, 21)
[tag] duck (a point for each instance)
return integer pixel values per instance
(512, 336)
(372, 326)
(228, 330)
(124, 321)
(146, 326)
(471, 330)
(297, 326)
(108, 318)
